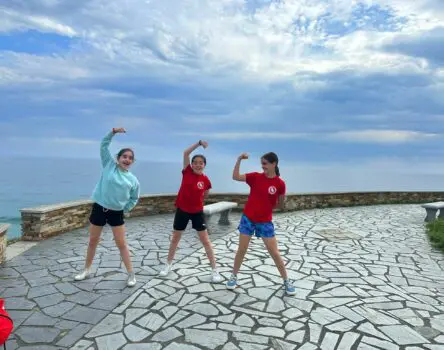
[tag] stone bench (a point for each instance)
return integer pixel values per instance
(431, 209)
(224, 208)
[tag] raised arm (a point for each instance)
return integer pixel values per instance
(236, 171)
(105, 154)
(189, 150)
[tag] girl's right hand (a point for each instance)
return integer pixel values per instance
(119, 130)
(243, 156)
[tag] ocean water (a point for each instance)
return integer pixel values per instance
(29, 182)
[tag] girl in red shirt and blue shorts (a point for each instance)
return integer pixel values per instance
(193, 190)
(267, 191)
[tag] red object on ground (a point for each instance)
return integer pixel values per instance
(6, 324)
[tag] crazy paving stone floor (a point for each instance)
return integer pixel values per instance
(366, 279)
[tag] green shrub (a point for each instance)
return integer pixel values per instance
(435, 231)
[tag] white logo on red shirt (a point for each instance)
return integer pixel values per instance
(200, 185)
(272, 190)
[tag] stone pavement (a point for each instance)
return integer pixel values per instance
(366, 279)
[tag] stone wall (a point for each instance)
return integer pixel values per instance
(46, 221)
(3, 241)
(329, 200)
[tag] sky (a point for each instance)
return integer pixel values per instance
(331, 86)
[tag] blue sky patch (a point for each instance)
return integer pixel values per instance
(35, 42)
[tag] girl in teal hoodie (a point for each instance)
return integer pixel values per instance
(116, 193)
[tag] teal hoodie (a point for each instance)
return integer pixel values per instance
(117, 189)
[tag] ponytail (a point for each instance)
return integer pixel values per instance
(272, 157)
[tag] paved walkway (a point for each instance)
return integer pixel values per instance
(366, 279)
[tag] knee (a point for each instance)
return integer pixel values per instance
(175, 238)
(206, 242)
(274, 252)
(242, 250)
(121, 244)
(93, 240)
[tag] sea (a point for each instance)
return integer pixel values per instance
(29, 182)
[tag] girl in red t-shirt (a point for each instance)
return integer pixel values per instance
(267, 191)
(193, 190)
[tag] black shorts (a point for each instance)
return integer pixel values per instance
(181, 220)
(101, 216)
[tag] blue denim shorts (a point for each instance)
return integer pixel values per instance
(262, 229)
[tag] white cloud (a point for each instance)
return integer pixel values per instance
(28, 68)
(382, 136)
(12, 20)
(246, 135)
(134, 122)
(71, 147)
(357, 136)
(277, 40)
(227, 71)
(71, 141)
(53, 140)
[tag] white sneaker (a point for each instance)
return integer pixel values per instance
(81, 276)
(131, 279)
(166, 270)
(216, 277)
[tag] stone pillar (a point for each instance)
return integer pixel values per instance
(3, 240)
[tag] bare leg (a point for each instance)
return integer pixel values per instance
(244, 241)
(94, 238)
(203, 236)
(272, 246)
(119, 238)
(175, 239)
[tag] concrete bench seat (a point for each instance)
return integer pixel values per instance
(431, 210)
(224, 208)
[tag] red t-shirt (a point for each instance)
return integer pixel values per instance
(264, 195)
(192, 190)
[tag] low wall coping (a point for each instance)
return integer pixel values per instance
(3, 229)
(63, 205)
(41, 209)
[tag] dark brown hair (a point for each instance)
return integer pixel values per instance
(272, 157)
(199, 156)
(123, 150)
